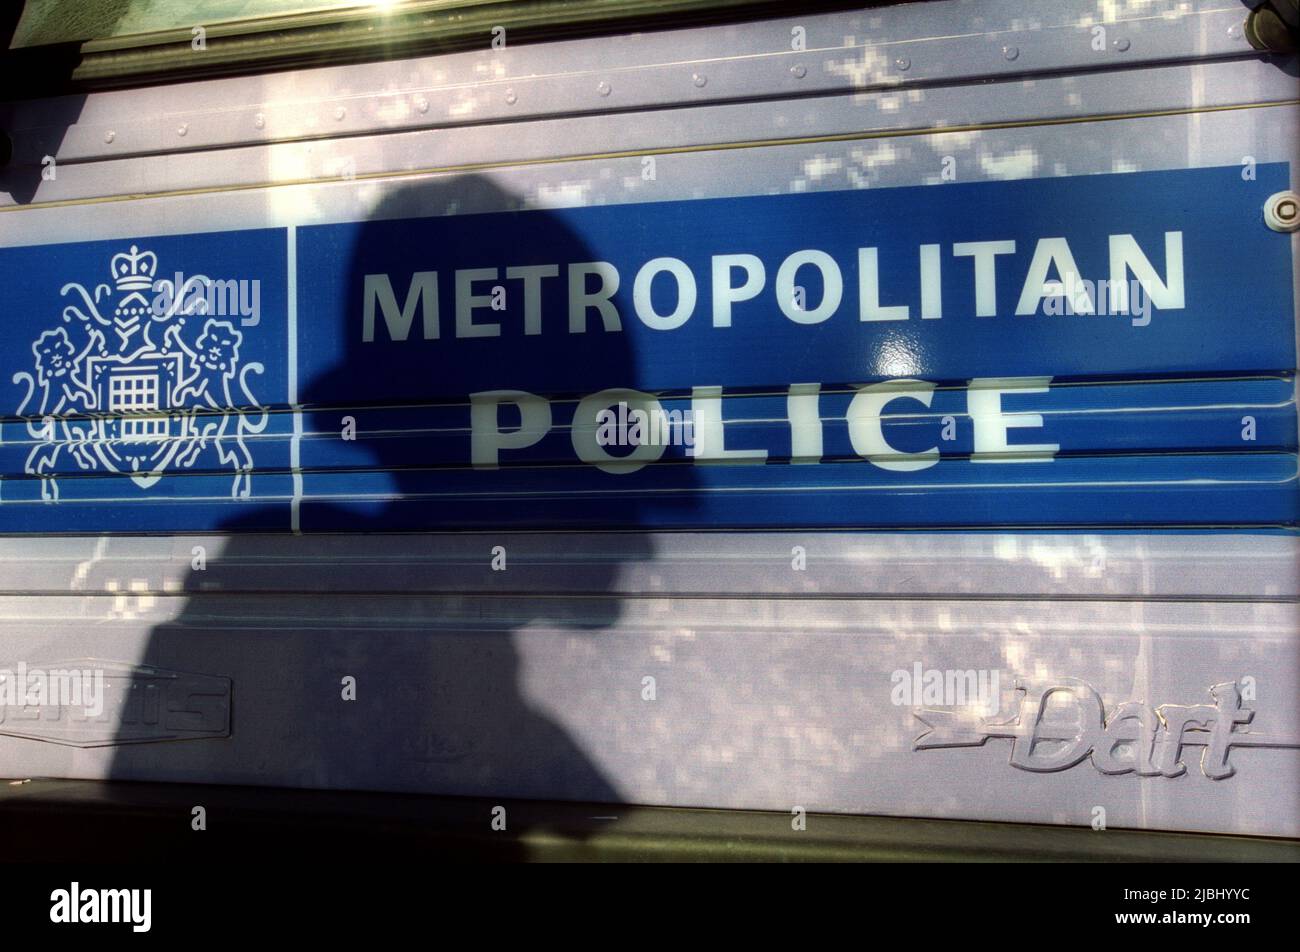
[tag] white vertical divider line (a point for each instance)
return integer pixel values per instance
(295, 464)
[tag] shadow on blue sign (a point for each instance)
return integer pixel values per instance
(439, 708)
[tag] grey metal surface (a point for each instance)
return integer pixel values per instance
(773, 685)
(897, 115)
(759, 703)
(900, 49)
(992, 565)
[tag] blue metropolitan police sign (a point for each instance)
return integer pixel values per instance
(1112, 350)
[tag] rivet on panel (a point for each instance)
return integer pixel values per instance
(603, 88)
(1122, 44)
(259, 121)
(182, 129)
(903, 63)
(110, 136)
(339, 113)
(421, 104)
(511, 97)
(799, 71)
(1010, 52)
(699, 79)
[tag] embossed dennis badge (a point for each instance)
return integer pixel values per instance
(89, 702)
(143, 372)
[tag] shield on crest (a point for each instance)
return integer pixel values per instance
(139, 429)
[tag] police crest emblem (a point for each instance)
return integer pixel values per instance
(142, 377)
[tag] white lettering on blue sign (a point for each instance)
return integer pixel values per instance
(866, 416)
(1070, 293)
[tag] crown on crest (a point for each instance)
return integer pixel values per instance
(134, 270)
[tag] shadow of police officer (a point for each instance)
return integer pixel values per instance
(428, 632)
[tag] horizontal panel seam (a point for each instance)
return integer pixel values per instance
(669, 150)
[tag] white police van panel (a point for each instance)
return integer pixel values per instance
(884, 412)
